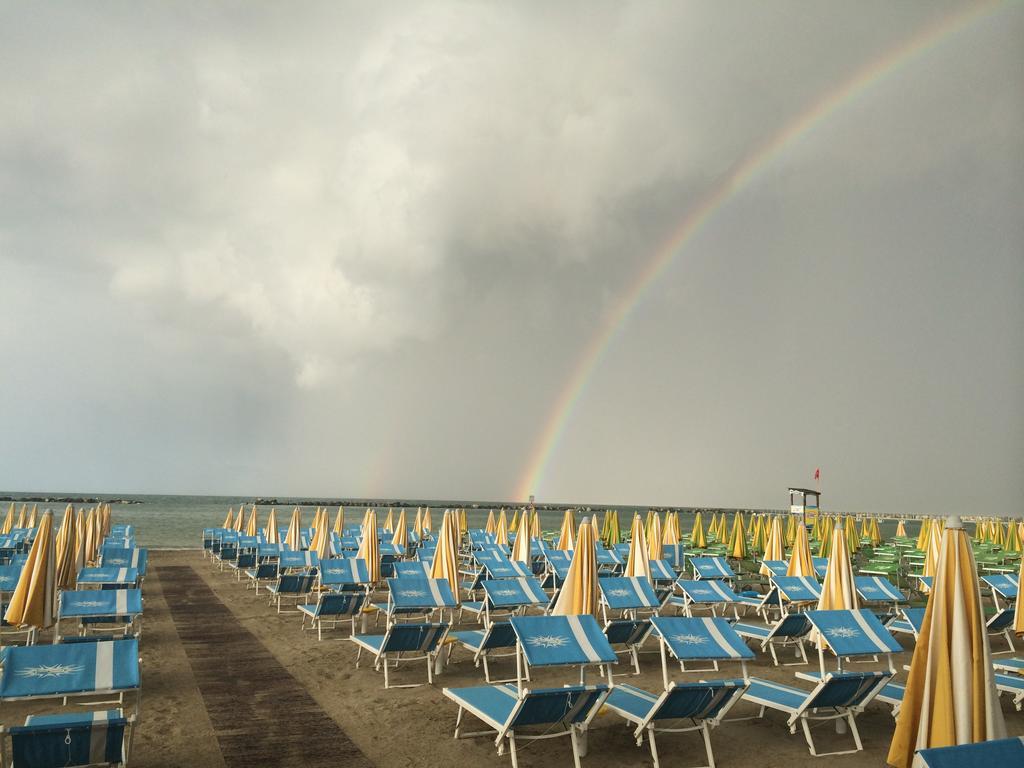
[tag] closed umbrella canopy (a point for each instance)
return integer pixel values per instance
(229, 521)
(567, 538)
(91, 542)
(427, 523)
(401, 537)
(321, 543)
(8, 521)
(654, 538)
(513, 526)
(790, 530)
(417, 526)
(270, 533)
(389, 522)
(21, 516)
(931, 559)
(901, 529)
(1018, 614)
(738, 538)
(31, 523)
(638, 563)
(579, 594)
(534, 524)
(446, 556)
(369, 547)
(239, 523)
(34, 601)
(293, 539)
(697, 538)
(773, 547)
(490, 526)
(463, 525)
(951, 695)
(922, 535)
(252, 527)
(827, 528)
(838, 591)
(501, 530)
(521, 546)
(800, 560)
(339, 521)
(66, 574)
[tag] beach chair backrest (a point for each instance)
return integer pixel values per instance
(846, 689)
(340, 603)
(100, 602)
(9, 575)
(798, 589)
(414, 569)
(562, 640)
(854, 633)
(661, 570)
(421, 593)
(296, 584)
(792, 625)
(75, 743)
(699, 701)
(266, 571)
(499, 635)
(701, 638)
(712, 568)
(877, 589)
(87, 666)
(627, 631)
(707, 591)
(777, 567)
(1001, 621)
(513, 593)
(1002, 584)
(985, 754)
(914, 617)
(423, 638)
(301, 559)
(556, 706)
(628, 593)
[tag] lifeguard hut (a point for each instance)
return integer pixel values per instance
(804, 502)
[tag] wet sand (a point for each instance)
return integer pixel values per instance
(414, 726)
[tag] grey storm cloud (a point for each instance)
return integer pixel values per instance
(357, 249)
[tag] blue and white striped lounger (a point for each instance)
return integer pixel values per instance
(508, 711)
(777, 567)
(1002, 624)
(9, 575)
(344, 574)
(553, 641)
(630, 633)
(298, 561)
(332, 607)
(507, 596)
(69, 739)
(985, 754)
(421, 640)
(840, 695)
(126, 558)
(263, 573)
(798, 589)
(1003, 586)
(662, 571)
(696, 639)
(712, 568)
(853, 633)
(627, 595)
(99, 606)
(416, 597)
(790, 630)
(909, 623)
(820, 566)
(710, 593)
(291, 586)
(496, 565)
(762, 604)
(878, 589)
(496, 636)
(109, 577)
(89, 668)
(705, 704)
(609, 559)
(413, 569)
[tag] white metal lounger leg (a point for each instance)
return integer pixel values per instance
(706, 732)
(575, 746)
(653, 746)
(512, 750)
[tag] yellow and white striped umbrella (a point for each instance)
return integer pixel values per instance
(922, 535)
(446, 557)
(579, 594)
(321, 543)
(252, 526)
(638, 564)
(31, 523)
(428, 525)
(738, 538)
(654, 538)
(534, 524)
(800, 562)
(22, 519)
(1018, 614)
(91, 542)
(293, 539)
(239, 523)
(901, 529)
(521, 545)
(401, 537)
(66, 574)
(931, 560)
(417, 526)
(8, 521)
(490, 526)
(229, 521)
(79, 543)
(463, 524)
(369, 547)
(697, 538)
(270, 533)
(513, 525)
(339, 521)
(951, 696)
(501, 530)
(389, 522)
(34, 601)
(838, 590)
(567, 538)
(773, 547)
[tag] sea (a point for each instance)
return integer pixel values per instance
(177, 521)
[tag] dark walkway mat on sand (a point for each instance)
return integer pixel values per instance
(261, 714)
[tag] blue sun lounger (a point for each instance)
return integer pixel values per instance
(99, 606)
(126, 558)
(762, 604)
(704, 704)
(662, 572)
(9, 575)
(712, 568)
(909, 624)
(820, 566)
(1002, 624)
(608, 560)
(416, 597)
(344, 574)
(558, 641)
(1004, 587)
(485, 644)
(985, 754)
(509, 712)
(557, 567)
(797, 590)
(291, 586)
(628, 595)
(877, 589)
(850, 634)
(629, 633)
(303, 560)
(109, 577)
(332, 607)
(705, 593)
(263, 573)
(507, 597)
(698, 639)
(839, 696)
(69, 739)
(412, 569)
(423, 641)
(777, 567)
(789, 631)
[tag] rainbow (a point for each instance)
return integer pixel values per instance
(728, 188)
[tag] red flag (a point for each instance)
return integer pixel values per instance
(817, 474)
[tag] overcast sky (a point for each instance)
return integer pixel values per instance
(357, 249)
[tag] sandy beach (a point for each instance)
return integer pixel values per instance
(180, 725)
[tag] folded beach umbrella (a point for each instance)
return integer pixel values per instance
(670, 537)
(65, 573)
(91, 543)
(31, 523)
(757, 534)
(417, 526)
(34, 602)
(427, 524)
(239, 523)
(801, 562)
(580, 593)
(389, 522)
(106, 521)
(463, 524)
(790, 530)
(321, 543)
(852, 539)
(654, 546)
(773, 546)
(501, 529)
(339, 521)
(521, 545)
(489, 527)
(513, 526)
(951, 695)
(401, 537)
(79, 553)
(875, 533)
(1018, 613)
(229, 521)
(534, 524)
(839, 590)
(737, 539)
(605, 528)
(825, 537)
(931, 559)
(293, 539)
(697, 538)
(567, 538)
(251, 527)
(901, 529)
(1011, 542)
(446, 556)
(8, 521)
(922, 535)
(369, 546)
(21, 516)
(270, 533)
(638, 563)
